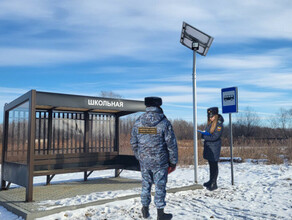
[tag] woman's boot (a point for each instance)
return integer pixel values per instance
(207, 184)
(213, 186)
(214, 175)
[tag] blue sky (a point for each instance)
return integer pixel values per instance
(133, 48)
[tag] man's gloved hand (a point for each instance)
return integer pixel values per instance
(171, 168)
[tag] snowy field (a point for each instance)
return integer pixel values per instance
(260, 192)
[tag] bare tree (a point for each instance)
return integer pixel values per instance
(283, 121)
(109, 94)
(246, 123)
(127, 121)
(290, 118)
(1, 133)
(183, 130)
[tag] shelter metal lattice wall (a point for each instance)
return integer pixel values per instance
(68, 130)
(17, 142)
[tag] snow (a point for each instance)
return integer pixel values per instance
(82, 199)
(260, 192)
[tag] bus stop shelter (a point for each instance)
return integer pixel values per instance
(50, 133)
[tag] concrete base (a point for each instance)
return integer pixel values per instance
(14, 199)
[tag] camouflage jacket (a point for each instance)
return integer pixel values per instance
(153, 140)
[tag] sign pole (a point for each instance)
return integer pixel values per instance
(231, 147)
(195, 119)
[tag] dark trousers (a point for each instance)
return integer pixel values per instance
(213, 171)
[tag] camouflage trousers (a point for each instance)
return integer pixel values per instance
(159, 178)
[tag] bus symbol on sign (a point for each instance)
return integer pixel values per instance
(228, 97)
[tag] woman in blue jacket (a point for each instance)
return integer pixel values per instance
(212, 145)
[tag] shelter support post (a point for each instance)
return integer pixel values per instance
(49, 179)
(86, 134)
(118, 172)
(4, 147)
(86, 175)
(50, 130)
(31, 146)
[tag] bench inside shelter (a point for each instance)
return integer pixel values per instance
(49, 133)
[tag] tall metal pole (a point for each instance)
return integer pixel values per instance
(231, 147)
(195, 119)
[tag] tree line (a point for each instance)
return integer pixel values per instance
(246, 124)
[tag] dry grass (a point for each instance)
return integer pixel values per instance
(125, 146)
(185, 150)
(273, 151)
(288, 152)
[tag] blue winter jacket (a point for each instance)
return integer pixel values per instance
(153, 140)
(212, 143)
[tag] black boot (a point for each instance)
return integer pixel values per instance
(211, 168)
(145, 211)
(207, 184)
(163, 216)
(213, 176)
(213, 186)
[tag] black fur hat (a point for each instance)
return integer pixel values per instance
(212, 111)
(153, 101)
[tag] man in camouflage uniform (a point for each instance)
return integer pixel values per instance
(154, 145)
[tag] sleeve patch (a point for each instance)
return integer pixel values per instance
(147, 130)
(219, 128)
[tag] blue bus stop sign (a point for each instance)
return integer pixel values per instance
(229, 98)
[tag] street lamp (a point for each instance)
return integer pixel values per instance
(198, 42)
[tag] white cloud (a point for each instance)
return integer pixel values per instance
(149, 30)
(274, 58)
(261, 78)
(188, 98)
(9, 90)
(157, 89)
(6, 98)
(275, 80)
(232, 61)
(28, 9)
(70, 31)
(177, 98)
(183, 94)
(251, 18)
(258, 96)
(26, 56)
(8, 94)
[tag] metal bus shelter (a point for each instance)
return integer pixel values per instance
(49, 133)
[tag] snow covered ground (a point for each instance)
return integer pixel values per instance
(260, 192)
